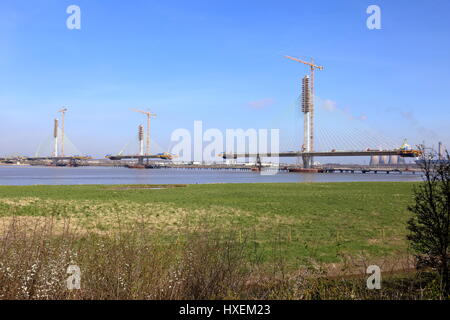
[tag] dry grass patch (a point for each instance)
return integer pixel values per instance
(104, 216)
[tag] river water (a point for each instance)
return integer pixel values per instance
(27, 175)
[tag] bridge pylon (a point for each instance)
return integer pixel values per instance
(307, 162)
(307, 109)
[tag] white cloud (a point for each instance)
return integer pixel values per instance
(332, 106)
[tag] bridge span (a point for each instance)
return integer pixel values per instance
(367, 153)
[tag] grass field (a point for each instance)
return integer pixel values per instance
(299, 221)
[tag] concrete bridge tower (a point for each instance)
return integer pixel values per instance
(441, 151)
(141, 144)
(141, 140)
(307, 109)
(55, 135)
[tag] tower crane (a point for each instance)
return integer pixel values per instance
(149, 115)
(312, 66)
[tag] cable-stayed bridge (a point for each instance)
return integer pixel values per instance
(309, 151)
(58, 149)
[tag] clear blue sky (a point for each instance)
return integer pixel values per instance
(220, 62)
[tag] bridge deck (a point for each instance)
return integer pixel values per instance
(322, 154)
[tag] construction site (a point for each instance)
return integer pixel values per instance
(381, 160)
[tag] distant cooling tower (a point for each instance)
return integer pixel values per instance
(374, 160)
(384, 159)
(393, 160)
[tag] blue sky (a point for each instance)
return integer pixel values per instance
(221, 62)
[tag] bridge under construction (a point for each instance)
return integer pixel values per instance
(306, 151)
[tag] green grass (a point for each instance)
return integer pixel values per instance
(298, 221)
